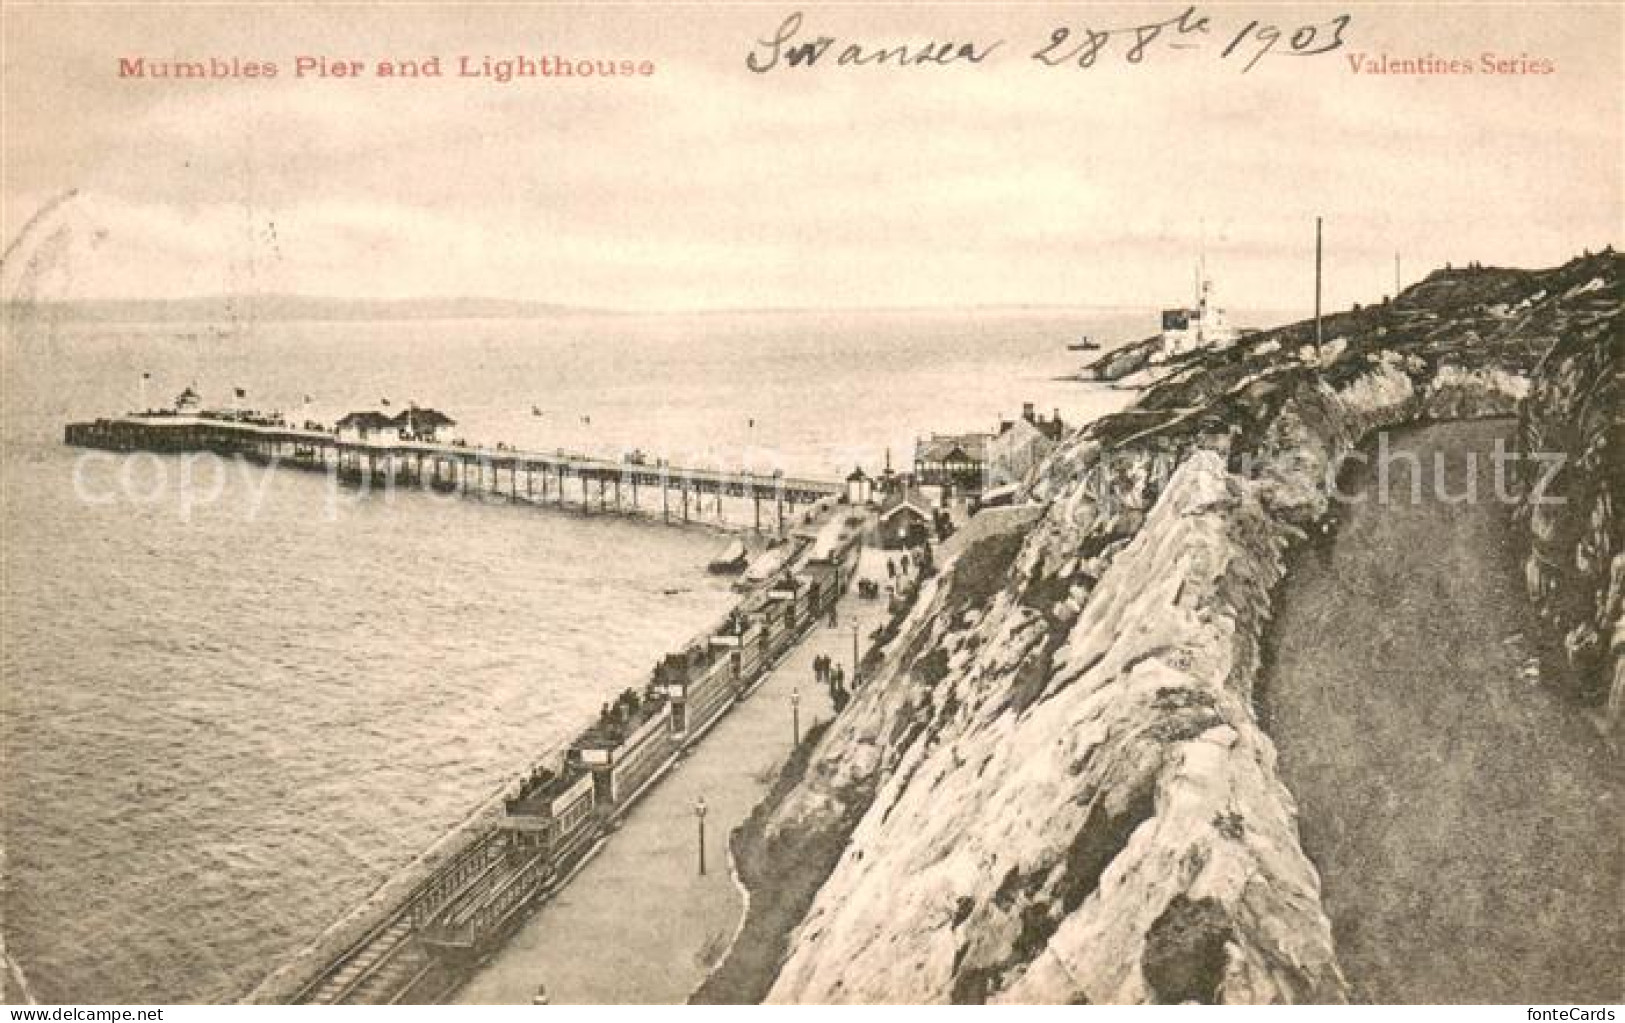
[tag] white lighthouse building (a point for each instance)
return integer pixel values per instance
(1201, 326)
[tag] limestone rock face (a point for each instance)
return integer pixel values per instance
(1122, 362)
(1130, 840)
(1073, 801)
(1572, 426)
(1053, 787)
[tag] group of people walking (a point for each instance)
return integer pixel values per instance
(830, 674)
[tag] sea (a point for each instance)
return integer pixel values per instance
(236, 702)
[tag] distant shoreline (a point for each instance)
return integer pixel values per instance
(307, 308)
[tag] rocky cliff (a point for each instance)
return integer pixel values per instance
(1572, 503)
(1055, 788)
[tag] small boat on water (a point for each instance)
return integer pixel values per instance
(1084, 344)
(731, 560)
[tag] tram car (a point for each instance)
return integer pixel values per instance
(545, 829)
(701, 683)
(555, 818)
(743, 638)
(630, 743)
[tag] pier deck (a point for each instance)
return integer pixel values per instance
(537, 477)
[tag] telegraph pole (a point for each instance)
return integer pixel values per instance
(1317, 289)
(699, 819)
(1396, 275)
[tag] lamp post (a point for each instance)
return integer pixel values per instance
(856, 678)
(699, 819)
(795, 717)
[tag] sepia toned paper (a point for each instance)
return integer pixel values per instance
(905, 503)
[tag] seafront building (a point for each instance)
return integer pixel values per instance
(966, 465)
(426, 425)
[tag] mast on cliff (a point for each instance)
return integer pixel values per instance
(1317, 290)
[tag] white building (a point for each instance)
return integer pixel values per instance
(1204, 326)
(422, 425)
(367, 428)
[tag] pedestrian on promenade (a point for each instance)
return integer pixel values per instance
(838, 698)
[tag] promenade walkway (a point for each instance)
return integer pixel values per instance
(639, 924)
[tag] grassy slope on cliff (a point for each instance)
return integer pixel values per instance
(1463, 819)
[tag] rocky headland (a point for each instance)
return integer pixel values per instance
(1055, 786)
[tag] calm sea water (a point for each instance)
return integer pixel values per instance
(223, 729)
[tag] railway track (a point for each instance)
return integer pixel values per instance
(383, 965)
(375, 972)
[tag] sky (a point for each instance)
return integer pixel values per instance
(709, 186)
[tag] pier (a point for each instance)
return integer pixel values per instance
(591, 485)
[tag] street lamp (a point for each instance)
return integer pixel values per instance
(699, 819)
(795, 717)
(857, 679)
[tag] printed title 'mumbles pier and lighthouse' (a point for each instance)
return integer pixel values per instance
(311, 66)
